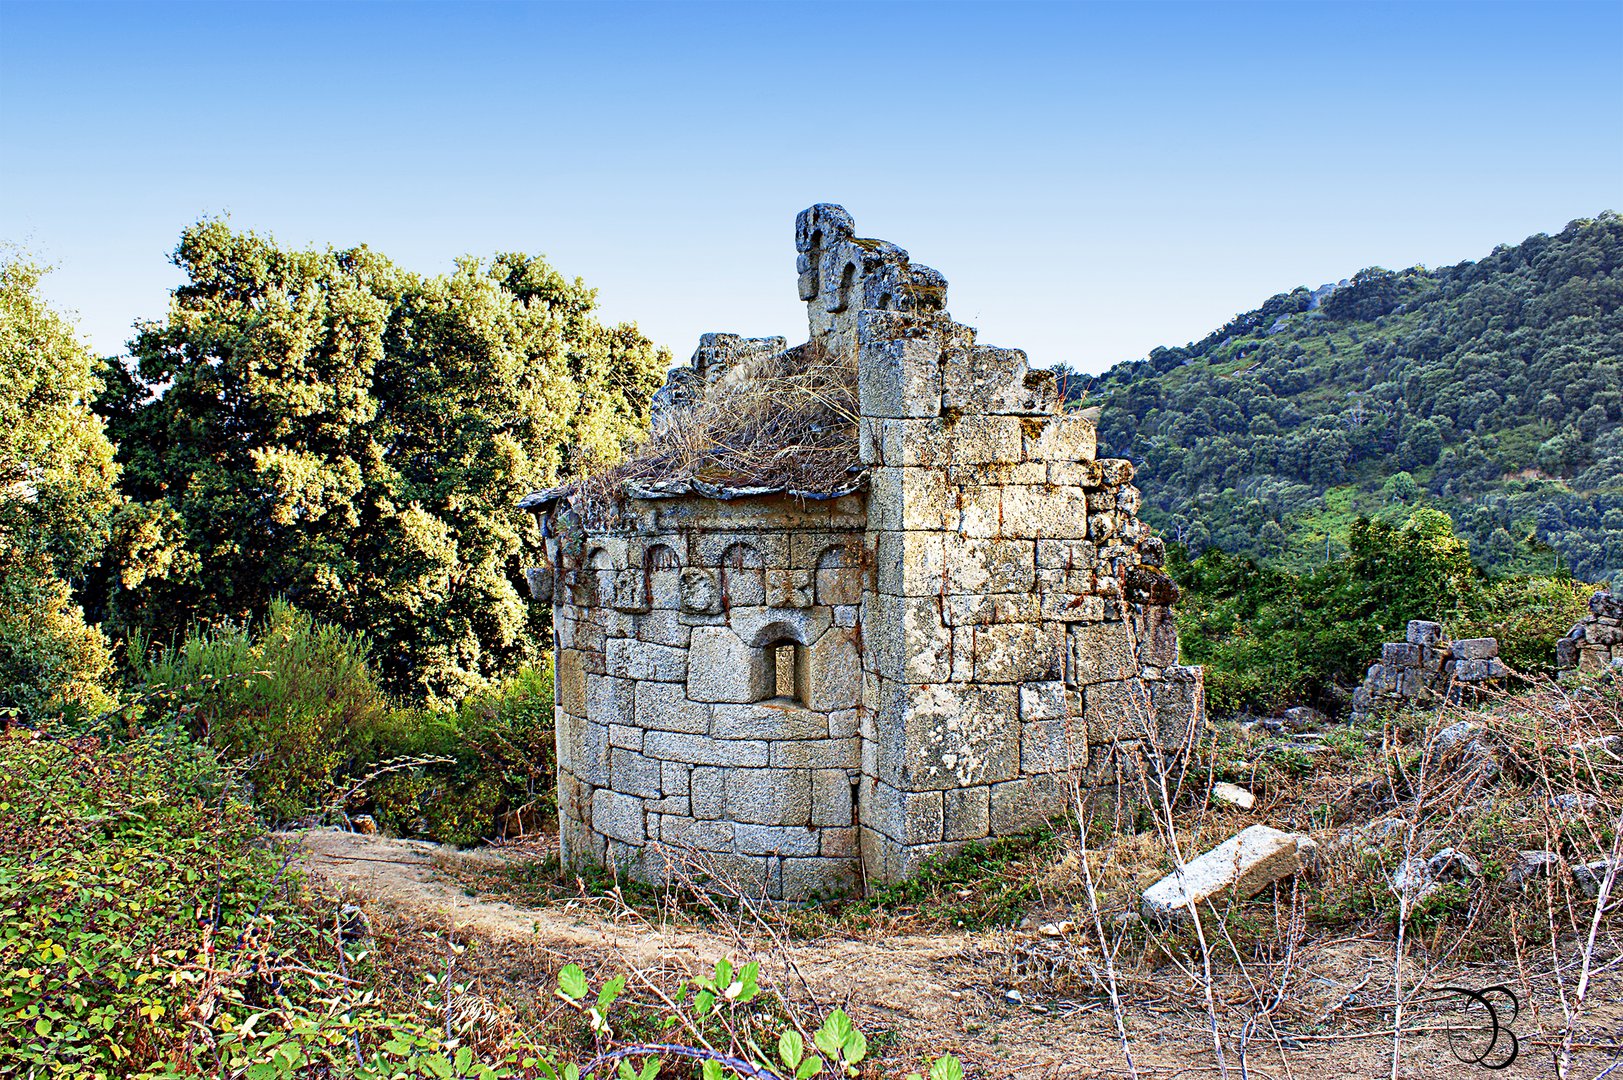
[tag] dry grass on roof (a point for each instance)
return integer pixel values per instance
(786, 421)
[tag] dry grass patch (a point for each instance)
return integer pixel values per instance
(784, 422)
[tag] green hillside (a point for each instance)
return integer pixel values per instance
(1492, 390)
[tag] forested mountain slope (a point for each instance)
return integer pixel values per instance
(1492, 390)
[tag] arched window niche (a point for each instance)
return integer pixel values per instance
(842, 298)
(782, 659)
(662, 570)
(598, 579)
(742, 577)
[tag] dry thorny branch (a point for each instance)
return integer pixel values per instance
(1436, 796)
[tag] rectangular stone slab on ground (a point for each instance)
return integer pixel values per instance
(1243, 865)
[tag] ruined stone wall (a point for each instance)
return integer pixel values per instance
(1020, 624)
(1596, 643)
(977, 616)
(1426, 668)
(678, 734)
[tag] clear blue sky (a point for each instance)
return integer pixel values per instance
(1093, 179)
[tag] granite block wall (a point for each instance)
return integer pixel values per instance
(806, 692)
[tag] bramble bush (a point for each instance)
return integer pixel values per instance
(147, 930)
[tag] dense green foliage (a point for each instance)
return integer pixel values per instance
(149, 931)
(1492, 390)
(292, 697)
(500, 774)
(297, 702)
(1270, 637)
(57, 497)
(121, 867)
(326, 427)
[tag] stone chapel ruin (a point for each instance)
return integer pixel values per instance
(808, 679)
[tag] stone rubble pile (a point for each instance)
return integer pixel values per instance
(1596, 643)
(1427, 667)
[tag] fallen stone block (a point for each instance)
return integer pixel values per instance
(1424, 632)
(1590, 876)
(1575, 803)
(1413, 878)
(1480, 670)
(1304, 718)
(1533, 864)
(1605, 750)
(1242, 865)
(1485, 648)
(1387, 829)
(1400, 654)
(1451, 864)
(1234, 795)
(1457, 738)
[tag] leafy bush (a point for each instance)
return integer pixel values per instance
(122, 867)
(499, 743)
(1270, 637)
(296, 700)
(292, 697)
(149, 931)
(1526, 614)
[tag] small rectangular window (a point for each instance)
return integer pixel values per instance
(784, 659)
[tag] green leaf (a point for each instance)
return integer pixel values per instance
(650, 1068)
(705, 1002)
(809, 1068)
(626, 1071)
(436, 1064)
(464, 1058)
(724, 973)
(748, 977)
(791, 1048)
(855, 1047)
(946, 1067)
(572, 982)
(610, 991)
(830, 1038)
(571, 1071)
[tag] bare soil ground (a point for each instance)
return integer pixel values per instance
(1008, 1003)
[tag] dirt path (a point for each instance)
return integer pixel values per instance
(908, 977)
(941, 992)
